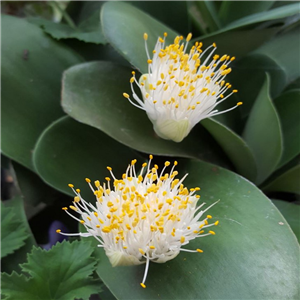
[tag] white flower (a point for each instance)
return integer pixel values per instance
(179, 90)
(142, 218)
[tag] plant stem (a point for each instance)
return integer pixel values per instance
(64, 14)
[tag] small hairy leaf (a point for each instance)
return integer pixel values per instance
(62, 273)
(13, 233)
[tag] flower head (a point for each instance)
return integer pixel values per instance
(142, 217)
(179, 90)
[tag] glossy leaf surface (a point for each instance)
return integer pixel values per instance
(92, 94)
(291, 212)
(68, 152)
(288, 107)
(263, 134)
(240, 249)
(124, 26)
(31, 82)
(234, 146)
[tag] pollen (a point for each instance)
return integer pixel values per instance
(146, 215)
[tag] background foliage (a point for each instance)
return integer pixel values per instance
(65, 66)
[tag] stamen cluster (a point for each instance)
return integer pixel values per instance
(142, 217)
(179, 90)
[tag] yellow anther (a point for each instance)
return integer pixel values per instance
(175, 163)
(73, 207)
(81, 221)
(239, 103)
(216, 223)
(58, 230)
(182, 239)
(131, 80)
(107, 178)
(70, 185)
(98, 226)
(126, 95)
(232, 58)
(89, 218)
(189, 36)
(106, 229)
(76, 199)
(199, 250)
(215, 45)
(144, 165)
(212, 232)
(149, 61)
(151, 156)
(165, 34)
(152, 247)
(97, 183)
(201, 231)
(205, 222)
(141, 251)
(235, 91)
(145, 36)
(133, 73)
(143, 286)
(64, 208)
(208, 216)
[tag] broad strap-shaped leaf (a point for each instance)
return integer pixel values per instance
(31, 81)
(234, 146)
(124, 26)
(13, 233)
(263, 134)
(62, 273)
(88, 31)
(250, 229)
(33, 189)
(248, 76)
(273, 14)
(233, 10)
(291, 212)
(284, 50)
(288, 181)
(204, 14)
(68, 152)
(238, 42)
(288, 108)
(92, 94)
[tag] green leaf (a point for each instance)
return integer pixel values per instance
(31, 78)
(263, 134)
(33, 189)
(250, 229)
(68, 152)
(239, 42)
(273, 14)
(233, 10)
(69, 267)
(287, 181)
(291, 212)
(248, 76)
(13, 211)
(234, 146)
(124, 26)
(13, 234)
(88, 31)
(288, 105)
(103, 84)
(276, 49)
(208, 13)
